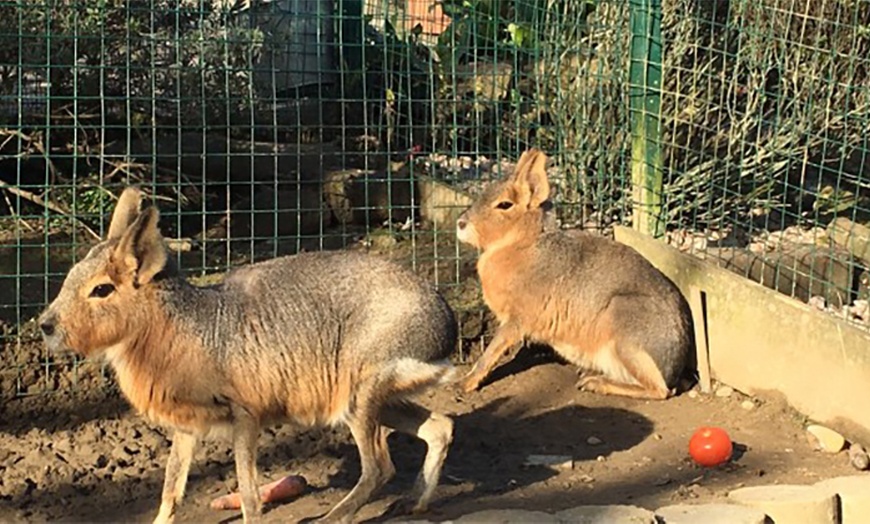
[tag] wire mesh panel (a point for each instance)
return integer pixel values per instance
(764, 115)
(269, 128)
(735, 129)
(749, 137)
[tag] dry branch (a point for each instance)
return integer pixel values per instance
(47, 204)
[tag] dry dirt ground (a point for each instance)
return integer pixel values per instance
(93, 460)
(83, 456)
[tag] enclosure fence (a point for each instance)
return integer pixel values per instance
(734, 130)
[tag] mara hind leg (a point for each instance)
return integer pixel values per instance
(436, 430)
(626, 371)
(625, 334)
(380, 407)
(376, 465)
(371, 441)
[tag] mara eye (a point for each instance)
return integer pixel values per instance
(102, 291)
(505, 204)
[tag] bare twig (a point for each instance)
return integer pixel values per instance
(11, 134)
(47, 204)
(125, 167)
(15, 214)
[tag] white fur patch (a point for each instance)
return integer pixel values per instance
(467, 234)
(114, 355)
(407, 370)
(604, 360)
(412, 370)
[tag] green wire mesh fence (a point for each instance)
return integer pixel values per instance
(268, 128)
(764, 114)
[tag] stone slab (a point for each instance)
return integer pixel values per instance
(853, 493)
(710, 514)
(788, 503)
(601, 514)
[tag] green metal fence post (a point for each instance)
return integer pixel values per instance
(645, 82)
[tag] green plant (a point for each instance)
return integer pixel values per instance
(162, 59)
(496, 29)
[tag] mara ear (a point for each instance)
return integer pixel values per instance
(530, 178)
(140, 253)
(522, 165)
(126, 211)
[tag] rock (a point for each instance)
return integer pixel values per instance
(852, 236)
(120, 456)
(863, 286)
(368, 197)
(748, 405)
(101, 462)
(710, 514)
(505, 516)
(440, 204)
(63, 444)
(858, 457)
(789, 503)
(795, 269)
(35, 460)
(382, 240)
(181, 245)
(594, 441)
(861, 309)
(692, 394)
(854, 496)
(817, 302)
(825, 439)
(551, 461)
(724, 391)
(606, 515)
(361, 197)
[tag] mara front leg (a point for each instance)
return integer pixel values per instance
(508, 336)
(245, 433)
(177, 468)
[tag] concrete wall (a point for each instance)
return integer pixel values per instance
(763, 342)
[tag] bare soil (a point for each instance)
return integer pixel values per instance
(77, 453)
(87, 458)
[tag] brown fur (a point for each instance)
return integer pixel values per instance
(598, 303)
(302, 339)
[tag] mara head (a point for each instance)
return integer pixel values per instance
(510, 210)
(100, 301)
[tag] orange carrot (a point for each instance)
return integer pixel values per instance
(284, 488)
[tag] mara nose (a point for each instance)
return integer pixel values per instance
(47, 326)
(461, 223)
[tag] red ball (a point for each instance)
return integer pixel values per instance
(710, 446)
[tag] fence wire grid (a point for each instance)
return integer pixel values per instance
(737, 128)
